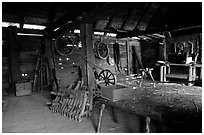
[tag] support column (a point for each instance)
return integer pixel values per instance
(164, 72)
(128, 56)
(14, 60)
(161, 73)
(165, 53)
(87, 71)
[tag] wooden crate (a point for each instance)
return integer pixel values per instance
(117, 92)
(23, 88)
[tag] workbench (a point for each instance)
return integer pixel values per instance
(190, 76)
(165, 103)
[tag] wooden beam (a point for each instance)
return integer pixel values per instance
(164, 49)
(126, 17)
(30, 31)
(128, 56)
(94, 15)
(58, 23)
(26, 31)
(136, 32)
(64, 29)
(149, 14)
(108, 10)
(87, 44)
(86, 18)
(135, 16)
(147, 6)
(14, 60)
(159, 19)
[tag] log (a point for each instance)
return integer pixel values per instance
(100, 118)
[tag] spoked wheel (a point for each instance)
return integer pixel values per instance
(107, 77)
(101, 50)
(64, 45)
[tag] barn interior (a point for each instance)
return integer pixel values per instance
(101, 67)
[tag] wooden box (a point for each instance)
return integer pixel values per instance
(117, 92)
(23, 88)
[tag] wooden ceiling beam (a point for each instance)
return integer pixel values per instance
(64, 29)
(142, 15)
(126, 17)
(135, 16)
(92, 16)
(106, 11)
(64, 20)
(148, 15)
(168, 29)
(58, 23)
(161, 19)
(155, 17)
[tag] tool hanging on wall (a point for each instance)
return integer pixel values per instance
(116, 55)
(101, 50)
(105, 77)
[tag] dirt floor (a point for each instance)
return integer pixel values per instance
(172, 108)
(30, 114)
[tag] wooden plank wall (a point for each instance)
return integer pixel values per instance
(27, 54)
(69, 73)
(149, 53)
(5, 63)
(109, 41)
(30, 46)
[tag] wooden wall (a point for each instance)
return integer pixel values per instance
(5, 63)
(150, 53)
(69, 73)
(28, 46)
(110, 41)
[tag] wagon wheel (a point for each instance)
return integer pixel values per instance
(102, 50)
(108, 77)
(64, 45)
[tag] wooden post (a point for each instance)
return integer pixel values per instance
(165, 54)
(147, 124)
(115, 118)
(190, 73)
(194, 73)
(161, 73)
(100, 118)
(200, 74)
(14, 60)
(128, 55)
(87, 71)
(164, 73)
